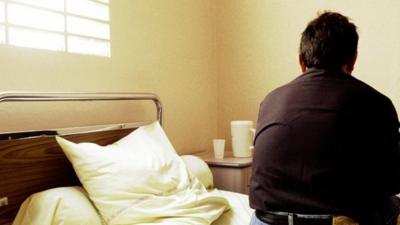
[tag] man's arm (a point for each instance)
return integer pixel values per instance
(388, 134)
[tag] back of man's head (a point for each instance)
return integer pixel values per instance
(329, 41)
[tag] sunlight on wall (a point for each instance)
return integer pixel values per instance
(76, 26)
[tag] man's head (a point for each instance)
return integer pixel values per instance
(330, 42)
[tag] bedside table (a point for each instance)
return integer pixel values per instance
(230, 173)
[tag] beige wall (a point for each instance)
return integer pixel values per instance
(257, 43)
(210, 61)
(165, 47)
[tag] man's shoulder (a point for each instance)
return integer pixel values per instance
(341, 80)
(275, 92)
(345, 83)
(368, 90)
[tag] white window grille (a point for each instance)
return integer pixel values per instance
(75, 26)
(2, 35)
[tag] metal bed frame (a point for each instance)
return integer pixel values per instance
(60, 96)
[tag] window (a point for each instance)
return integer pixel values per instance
(76, 26)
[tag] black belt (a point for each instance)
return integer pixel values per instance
(285, 218)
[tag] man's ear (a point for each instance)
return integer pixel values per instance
(302, 65)
(349, 67)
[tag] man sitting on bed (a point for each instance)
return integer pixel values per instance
(326, 143)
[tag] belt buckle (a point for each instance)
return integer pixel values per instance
(290, 219)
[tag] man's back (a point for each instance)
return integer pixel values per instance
(325, 143)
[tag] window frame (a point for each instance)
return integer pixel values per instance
(65, 13)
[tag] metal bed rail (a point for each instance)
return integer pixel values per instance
(100, 96)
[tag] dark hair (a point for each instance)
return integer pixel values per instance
(329, 41)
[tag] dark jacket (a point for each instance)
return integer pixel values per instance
(325, 143)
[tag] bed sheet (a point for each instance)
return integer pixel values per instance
(240, 212)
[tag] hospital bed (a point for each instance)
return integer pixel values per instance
(33, 162)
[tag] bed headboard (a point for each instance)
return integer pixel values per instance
(32, 161)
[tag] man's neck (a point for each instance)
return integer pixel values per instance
(344, 69)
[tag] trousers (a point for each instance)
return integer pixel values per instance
(387, 215)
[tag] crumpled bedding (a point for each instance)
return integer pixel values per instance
(240, 212)
(140, 179)
(71, 206)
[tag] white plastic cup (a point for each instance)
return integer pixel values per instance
(219, 148)
(242, 132)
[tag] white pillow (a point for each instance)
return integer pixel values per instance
(141, 179)
(198, 168)
(58, 206)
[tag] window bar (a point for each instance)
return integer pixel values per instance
(6, 24)
(100, 2)
(65, 27)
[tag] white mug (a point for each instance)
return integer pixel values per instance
(242, 132)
